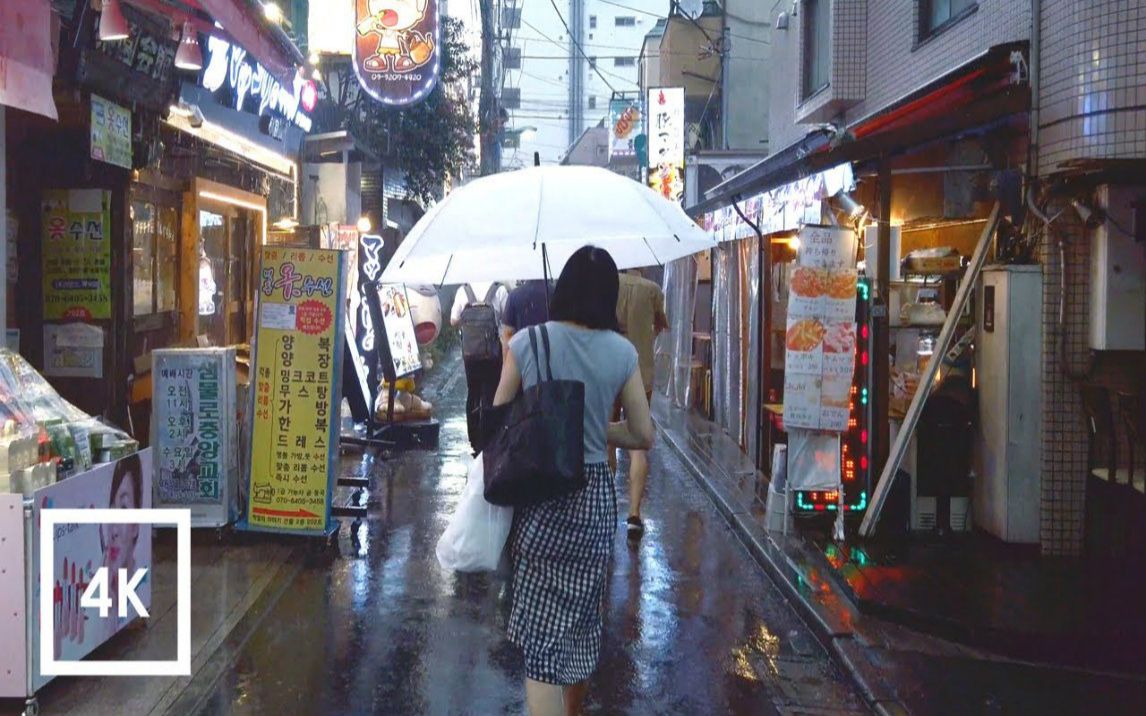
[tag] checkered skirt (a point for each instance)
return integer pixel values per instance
(561, 550)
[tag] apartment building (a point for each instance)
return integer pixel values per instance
(563, 60)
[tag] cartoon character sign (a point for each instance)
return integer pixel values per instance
(397, 49)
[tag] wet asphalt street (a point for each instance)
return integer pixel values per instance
(692, 626)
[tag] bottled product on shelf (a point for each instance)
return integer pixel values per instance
(43, 437)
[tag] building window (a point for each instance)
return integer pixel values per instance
(511, 18)
(936, 15)
(513, 58)
(511, 97)
(625, 21)
(624, 62)
(592, 22)
(592, 63)
(155, 231)
(592, 102)
(817, 45)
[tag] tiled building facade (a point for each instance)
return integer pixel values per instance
(882, 38)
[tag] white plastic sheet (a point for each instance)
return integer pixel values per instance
(477, 531)
(675, 350)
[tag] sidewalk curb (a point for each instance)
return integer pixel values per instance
(837, 640)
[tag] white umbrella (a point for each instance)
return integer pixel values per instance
(501, 227)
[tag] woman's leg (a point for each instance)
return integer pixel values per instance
(574, 697)
(543, 699)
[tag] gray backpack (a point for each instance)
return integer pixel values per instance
(480, 339)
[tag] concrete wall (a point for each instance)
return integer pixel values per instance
(339, 188)
(895, 62)
(1093, 95)
(746, 81)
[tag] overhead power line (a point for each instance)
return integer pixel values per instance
(576, 44)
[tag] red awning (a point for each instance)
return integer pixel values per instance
(27, 56)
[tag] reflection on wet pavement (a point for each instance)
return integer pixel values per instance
(692, 626)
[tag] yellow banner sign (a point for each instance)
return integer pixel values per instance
(297, 390)
(77, 254)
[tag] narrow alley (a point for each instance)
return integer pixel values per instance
(692, 627)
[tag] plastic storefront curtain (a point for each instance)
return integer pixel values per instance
(673, 351)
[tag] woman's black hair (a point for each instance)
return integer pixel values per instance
(586, 293)
(128, 466)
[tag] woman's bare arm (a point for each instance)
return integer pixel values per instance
(635, 432)
(510, 383)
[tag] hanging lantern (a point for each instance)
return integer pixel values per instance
(112, 25)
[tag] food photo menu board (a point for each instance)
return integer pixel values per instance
(399, 329)
(821, 332)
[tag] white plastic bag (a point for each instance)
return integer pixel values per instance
(476, 535)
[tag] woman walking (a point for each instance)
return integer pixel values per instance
(561, 548)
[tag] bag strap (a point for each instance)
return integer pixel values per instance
(536, 357)
(492, 292)
(470, 294)
(545, 340)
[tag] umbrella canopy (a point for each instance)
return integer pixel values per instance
(500, 227)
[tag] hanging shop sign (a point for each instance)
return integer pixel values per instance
(27, 57)
(821, 331)
(665, 109)
(138, 70)
(625, 124)
(77, 254)
(111, 132)
(194, 433)
(298, 362)
(80, 549)
(237, 81)
(397, 49)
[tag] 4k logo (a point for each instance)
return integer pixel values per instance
(108, 590)
(96, 596)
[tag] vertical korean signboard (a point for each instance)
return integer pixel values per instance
(297, 389)
(77, 254)
(194, 434)
(665, 110)
(397, 54)
(821, 331)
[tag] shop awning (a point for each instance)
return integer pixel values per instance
(27, 56)
(977, 93)
(243, 24)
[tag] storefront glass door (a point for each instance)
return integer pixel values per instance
(213, 259)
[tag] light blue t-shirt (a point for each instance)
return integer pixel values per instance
(602, 360)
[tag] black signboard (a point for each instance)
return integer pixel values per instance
(139, 70)
(237, 81)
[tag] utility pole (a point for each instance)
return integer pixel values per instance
(487, 103)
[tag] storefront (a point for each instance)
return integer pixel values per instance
(920, 180)
(174, 174)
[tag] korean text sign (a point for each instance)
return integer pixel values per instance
(77, 254)
(297, 389)
(111, 132)
(193, 431)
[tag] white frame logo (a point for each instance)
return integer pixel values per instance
(49, 518)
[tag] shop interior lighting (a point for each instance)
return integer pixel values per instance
(364, 224)
(233, 201)
(112, 25)
(273, 12)
(189, 56)
(314, 58)
(287, 223)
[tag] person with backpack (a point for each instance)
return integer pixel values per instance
(477, 312)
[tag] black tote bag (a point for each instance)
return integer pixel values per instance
(535, 448)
